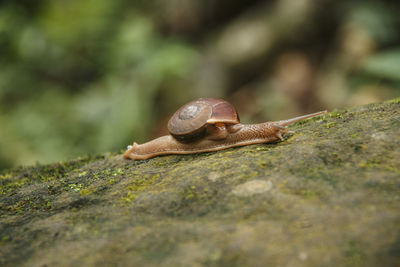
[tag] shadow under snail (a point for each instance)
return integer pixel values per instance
(210, 124)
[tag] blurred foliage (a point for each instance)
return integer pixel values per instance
(79, 77)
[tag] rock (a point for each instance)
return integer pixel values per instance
(328, 195)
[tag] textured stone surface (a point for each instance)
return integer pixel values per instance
(329, 195)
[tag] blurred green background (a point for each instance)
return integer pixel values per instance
(82, 77)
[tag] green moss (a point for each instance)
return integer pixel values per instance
(82, 173)
(112, 181)
(137, 186)
(75, 187)
(6, 176)
(355, 135)
(117, 172)
(308, 193)
(393, 101)
(330, 124)
(336, 114)
(10, 185)
(190, 192)
(128, 197)
(378, 165)
(19, 177)
(85, 192)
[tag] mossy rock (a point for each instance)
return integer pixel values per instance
(329, 195)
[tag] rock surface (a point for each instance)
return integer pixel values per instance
(329, 195)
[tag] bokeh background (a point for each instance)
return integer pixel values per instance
(82, 77)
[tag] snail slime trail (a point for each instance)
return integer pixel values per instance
(210, 124)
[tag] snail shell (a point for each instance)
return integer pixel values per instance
(190, 122)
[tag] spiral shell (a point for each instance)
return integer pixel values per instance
(190, 121)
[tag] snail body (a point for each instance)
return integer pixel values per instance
(210, 124)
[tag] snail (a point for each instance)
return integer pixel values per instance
(210, 124)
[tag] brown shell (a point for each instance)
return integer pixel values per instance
(190, 121)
